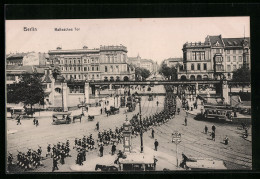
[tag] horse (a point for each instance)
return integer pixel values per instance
(77, 117)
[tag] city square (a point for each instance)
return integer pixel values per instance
(97, 109)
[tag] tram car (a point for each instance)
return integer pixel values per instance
(205, 164)
(150, 98)
(217, 112)
(130, 103)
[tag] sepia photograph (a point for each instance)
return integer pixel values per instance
(128, 94)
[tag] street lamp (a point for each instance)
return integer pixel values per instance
(62, 81)
(141, 124)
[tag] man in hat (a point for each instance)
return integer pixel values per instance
(185, 121)
(113, 150)
(48, 150)
(156, 144)
(55, 163)
(97, 125)
(101, 149)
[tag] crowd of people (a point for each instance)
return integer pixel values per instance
(28, 160)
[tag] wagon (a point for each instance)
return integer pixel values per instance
(61, 118)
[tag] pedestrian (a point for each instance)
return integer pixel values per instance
(87, 108)
(156, 144)
(154, 162)
(48, 150)
(101, 110)
(152, 133)
(18, 119)
(206, 129)
(157, 103)
(113, 150)
(213, 128)
(97, 125)
(178, 111)
(101, 149)
(213, 135)
(55, 163)
(226, 140)
(185, 121)
(34, 121)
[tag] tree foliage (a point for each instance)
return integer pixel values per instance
(168, 72)
(142, 72)
(28, 90)
(241, 75)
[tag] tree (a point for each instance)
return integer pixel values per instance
(28, 90)
(142, 72)
(168, 72)
(241, 75)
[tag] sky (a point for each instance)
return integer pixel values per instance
(151, 38)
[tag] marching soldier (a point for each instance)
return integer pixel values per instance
(55, 164)
(101, 149)
(48, 150)
(113, 150)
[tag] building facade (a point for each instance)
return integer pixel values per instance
(106, 63)
(216, 58)
(143, 63)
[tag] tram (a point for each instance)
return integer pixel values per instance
(217, 112)
(130, 103)
(137, 162)
(205, 164)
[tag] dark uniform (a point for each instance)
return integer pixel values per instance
(101, 149)
(113, 150)
(156, 144)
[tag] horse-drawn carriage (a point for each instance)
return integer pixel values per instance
(61, 118)
(113, 110)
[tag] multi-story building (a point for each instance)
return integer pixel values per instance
(15, 59)
(104, 63)
(27, 59)
(212, 59)
(174, 62)
(143, 63)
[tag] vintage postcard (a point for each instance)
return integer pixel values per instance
(136, 94)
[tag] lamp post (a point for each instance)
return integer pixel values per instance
(62, 81)
(141, 124)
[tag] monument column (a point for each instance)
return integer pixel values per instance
(86, 92)
(225, 91)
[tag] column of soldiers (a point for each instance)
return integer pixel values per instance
(29, 159)
(59, 153)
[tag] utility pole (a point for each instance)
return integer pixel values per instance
(141, 123)
(62, 96)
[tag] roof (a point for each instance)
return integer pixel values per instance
(16, 55)
(137, 158)
(216, 41)
(15, 69)
(234, 42)
(174, 59)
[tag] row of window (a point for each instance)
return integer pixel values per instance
(81, 77)
(234, 67)
(198, 55)
(78, 61)
(112, 69)
(199, 66)
(234, 58)
(93, 68)
(76, 89)
(234, 51)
